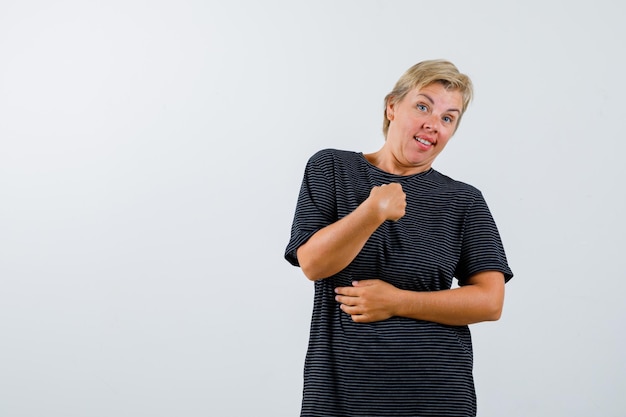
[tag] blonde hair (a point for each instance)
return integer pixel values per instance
(426, 73)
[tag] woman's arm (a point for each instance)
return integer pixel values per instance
(480, 299)
(332, 248)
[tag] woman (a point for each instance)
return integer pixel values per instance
(383, 235)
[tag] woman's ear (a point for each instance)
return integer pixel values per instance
(390, 110)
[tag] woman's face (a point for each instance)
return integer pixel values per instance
(421, 125)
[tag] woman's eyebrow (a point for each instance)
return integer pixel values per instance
(433, 102)
(427, 96)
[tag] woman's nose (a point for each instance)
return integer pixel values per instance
(431, 123)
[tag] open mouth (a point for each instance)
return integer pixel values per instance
(423, 141)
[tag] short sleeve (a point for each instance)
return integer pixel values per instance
(316, 207)
(482, 248)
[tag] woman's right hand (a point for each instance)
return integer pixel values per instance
(389, 200)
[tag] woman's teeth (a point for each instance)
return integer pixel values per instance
(424, 141)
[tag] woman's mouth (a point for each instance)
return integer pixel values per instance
(423, 141)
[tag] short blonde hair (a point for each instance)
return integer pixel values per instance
(426, 73)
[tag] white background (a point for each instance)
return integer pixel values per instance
(150, 158)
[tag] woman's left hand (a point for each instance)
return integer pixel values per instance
(368, 300)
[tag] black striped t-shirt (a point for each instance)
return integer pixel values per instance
(399, 366)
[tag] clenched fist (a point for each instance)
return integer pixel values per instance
(389, 200)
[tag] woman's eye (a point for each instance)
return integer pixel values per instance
(422, 107)
(447, 119)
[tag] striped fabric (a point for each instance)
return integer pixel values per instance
(400, 366)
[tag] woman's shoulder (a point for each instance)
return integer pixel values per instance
(334, 156)
(335, 153)
(452, 184)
